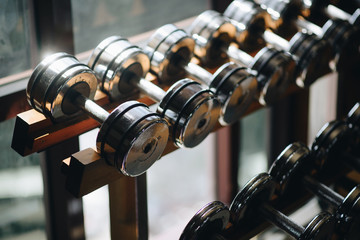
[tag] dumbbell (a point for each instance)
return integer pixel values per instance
(131, 137)
(207, 223)
(293, 170)
(312, 54)
(274, 69)
(338, 33)
(324, 6)
(252, 204)
(170, 51)
(333, 145)
(191, 110)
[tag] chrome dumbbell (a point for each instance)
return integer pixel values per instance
(274, 69)
(293, 170)
(343, 38)
(170, 51)
(131, 138)
(312, 54)
(207, 223)
(331, 11)
(252, 204)
(191, 110)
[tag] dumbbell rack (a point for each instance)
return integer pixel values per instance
(35, 133)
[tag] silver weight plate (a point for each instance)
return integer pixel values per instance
(52, 80)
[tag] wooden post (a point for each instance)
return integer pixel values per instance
(64, 212)
(128, 205)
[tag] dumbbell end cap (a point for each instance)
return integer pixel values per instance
(257, 191)
(132, 138)
(320, 227)
(314, 56)
(289, 167)
(211, 219)
(236, 89)
(146, 148)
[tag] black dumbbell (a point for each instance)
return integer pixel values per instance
(191, 110)
(312, 54)
(338, 142)
(170, 51)
(314, 7)
(275, 70)
(131, 137)
(293, 169)
(333, 146)
(341, 35)
(252, 204)
(207, 223)
(353, 122)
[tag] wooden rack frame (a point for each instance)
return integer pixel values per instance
(35, 133)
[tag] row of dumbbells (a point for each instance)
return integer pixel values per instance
(296, 170)
(132, 137)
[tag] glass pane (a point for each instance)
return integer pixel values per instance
(21, 191)
(14, 37)
(95, 20)
(253, 159)
(179, 184)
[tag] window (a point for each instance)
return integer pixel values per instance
(15, 50)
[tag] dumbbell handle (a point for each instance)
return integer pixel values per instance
(331, 10)
(240, 56)
(309, 26)
(323, 191)
(148, 88)
(198, 72)
(281, 220)
(90, 107)
(276, 40)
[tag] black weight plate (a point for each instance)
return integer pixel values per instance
(314, 55)
(211, 219)
(257, 191)
(348, 215)
(320, 228)
(276, 70)
(289, 167)
(236, 89)
(330, 142)
(191, 111)
(345, 41)
(353, 116)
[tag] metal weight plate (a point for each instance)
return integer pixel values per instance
(236, 88)
(116, 61)
(251, 21)
(191, 111)
(132, 138)
(330, 142)
(283, 12)
(345, 41)
(213, 34)
(257, 191)
(169, 50)
(348, 214)
(52, 80)
(290, 166)
(209, 220)
(276, 70)
(314, 56)
(320, 228)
